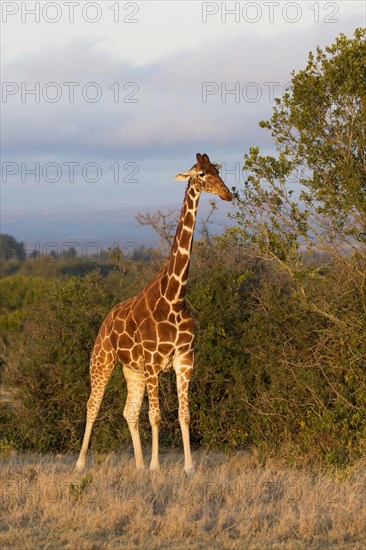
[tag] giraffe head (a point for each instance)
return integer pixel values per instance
(205, 176)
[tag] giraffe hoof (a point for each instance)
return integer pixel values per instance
(190, 472)
(79, 466)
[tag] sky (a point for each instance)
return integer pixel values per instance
(103, 103)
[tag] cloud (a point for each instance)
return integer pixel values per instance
(160, 118)
(184, 98)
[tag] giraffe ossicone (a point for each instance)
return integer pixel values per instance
(153, 332)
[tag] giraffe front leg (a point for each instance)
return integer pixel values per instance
(151, 379)
(135, 393)
(183, 367)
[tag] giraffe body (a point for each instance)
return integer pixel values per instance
(154, 332)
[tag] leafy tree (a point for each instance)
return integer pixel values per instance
(313, 193)
(10, 248)
(304, 211)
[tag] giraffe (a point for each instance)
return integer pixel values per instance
(153, 332)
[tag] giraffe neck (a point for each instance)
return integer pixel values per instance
(178, 266)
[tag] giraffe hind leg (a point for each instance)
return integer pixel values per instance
(135, 392)
(102, 364)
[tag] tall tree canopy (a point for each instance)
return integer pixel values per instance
(313, 192)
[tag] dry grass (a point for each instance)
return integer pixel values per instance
(230, 503)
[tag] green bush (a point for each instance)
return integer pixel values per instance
(49, 371)
(270, 370)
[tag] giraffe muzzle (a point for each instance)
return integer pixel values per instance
(226, 195)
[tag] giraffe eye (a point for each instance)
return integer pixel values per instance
(201, 174)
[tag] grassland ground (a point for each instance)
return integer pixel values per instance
(231, 503)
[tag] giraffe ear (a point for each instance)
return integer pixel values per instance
(183, 176)
(217, 166)
(199, 159)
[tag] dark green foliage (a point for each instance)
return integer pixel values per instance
(305, 212)
(47, 366)
(10, 248)
(270, 370)
(219, 419)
